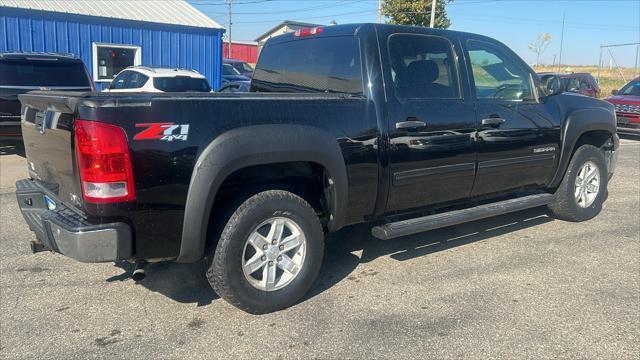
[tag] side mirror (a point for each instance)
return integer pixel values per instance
(615, 92)
(551, 84)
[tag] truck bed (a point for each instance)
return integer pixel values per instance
(163, 168)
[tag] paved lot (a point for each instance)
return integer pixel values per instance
(522, 285)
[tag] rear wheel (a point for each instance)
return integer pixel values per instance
(584, 188)
(269, 253)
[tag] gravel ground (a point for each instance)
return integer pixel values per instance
(515, 286)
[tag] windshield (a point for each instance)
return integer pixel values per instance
(43, 73)
(632, 88)
(229, 70)
(181, 84)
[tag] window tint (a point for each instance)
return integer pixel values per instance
(497, 75)
(422, 67)
(43, 73)
(120, 81)
(136, 80)
(329, 64)
(242, 67)
(632, 88)
(573, 84)
(181, 84)
(228, 69)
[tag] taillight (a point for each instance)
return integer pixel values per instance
(104, 162)
(308, 31)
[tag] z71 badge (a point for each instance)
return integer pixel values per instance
(163, 131)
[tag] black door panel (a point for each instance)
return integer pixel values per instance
(431, 167)
(520, 152)
(432, 155)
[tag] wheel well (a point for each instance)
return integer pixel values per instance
(597, 138)
(306, 179)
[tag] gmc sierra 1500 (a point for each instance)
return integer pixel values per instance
(408, 128)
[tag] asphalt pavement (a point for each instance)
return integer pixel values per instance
(516, 286)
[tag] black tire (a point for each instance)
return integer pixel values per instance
(565, 206)
(225, 273)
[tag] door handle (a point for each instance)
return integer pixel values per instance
(410, 123)
(493, 121)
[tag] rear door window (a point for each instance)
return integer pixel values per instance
(329, 64)
(423, 67)
(136, 80)
(43, 73)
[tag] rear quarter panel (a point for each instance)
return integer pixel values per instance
(163, 169)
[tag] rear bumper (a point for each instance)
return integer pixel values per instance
(68, 232)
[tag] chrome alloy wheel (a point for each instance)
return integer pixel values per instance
(587, 184)
(274, 254)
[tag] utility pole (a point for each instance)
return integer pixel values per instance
(637, 58)
(599, 63)
(379, 11)
(433, 14)
(230, 3)
(561, 41)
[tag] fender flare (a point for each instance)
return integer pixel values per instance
(579, 122)
(257, 145)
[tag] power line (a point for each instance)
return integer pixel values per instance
(298, 10)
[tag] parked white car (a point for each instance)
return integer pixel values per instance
(148, 79)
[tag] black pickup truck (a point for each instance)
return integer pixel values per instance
(26, 71)
(407, 128)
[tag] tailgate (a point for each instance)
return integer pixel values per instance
(47, 130)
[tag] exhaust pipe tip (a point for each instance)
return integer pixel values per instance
(139, 273)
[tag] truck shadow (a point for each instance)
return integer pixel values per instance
(351, 246)
(184, 283)
(345, 250)
(12, 148)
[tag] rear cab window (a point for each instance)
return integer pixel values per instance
(43, 73)
(322, 64)
(181, 84)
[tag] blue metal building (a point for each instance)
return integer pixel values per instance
(111, 35)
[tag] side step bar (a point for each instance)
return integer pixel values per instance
(426, 223)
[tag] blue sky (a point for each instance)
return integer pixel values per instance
(588, 24)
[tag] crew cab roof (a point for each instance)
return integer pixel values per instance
(353, 29)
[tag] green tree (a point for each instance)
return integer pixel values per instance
(415, 12)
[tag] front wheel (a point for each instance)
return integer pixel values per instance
(584, 188)
(269, 253)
